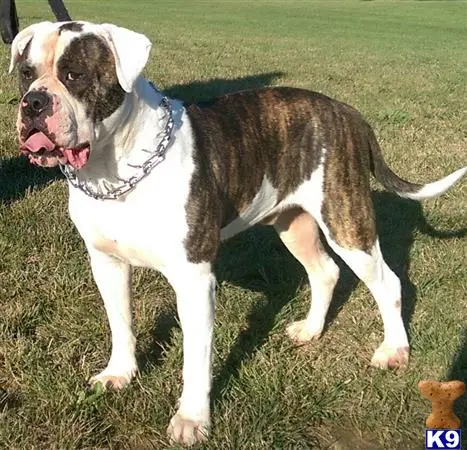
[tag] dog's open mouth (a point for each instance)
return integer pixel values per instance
(43, 152)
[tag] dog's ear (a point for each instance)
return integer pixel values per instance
(131, 52)
(21, 41)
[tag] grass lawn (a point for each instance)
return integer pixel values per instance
(403, 64)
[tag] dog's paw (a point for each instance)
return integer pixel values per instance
(386, 357)
(113, 379)
(300, 333)
(187, 432)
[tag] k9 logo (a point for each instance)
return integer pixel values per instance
(443, 439)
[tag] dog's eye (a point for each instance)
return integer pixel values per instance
(27, 73)
(73, 76)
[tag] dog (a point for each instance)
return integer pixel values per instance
(157, 183)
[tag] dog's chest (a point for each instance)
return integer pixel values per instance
(125, 238)
(139, 232)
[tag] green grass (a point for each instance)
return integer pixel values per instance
(403, 64)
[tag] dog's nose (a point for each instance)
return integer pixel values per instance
(34, 102)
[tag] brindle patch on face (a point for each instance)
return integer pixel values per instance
(240, 139)
(87, 69)
(278, 133)
(71, 26)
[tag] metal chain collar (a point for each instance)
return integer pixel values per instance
(156, 156)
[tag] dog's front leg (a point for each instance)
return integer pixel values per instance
(113, 278)
(194, 285)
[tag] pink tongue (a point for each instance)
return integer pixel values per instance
(37, 142)
(77, 157)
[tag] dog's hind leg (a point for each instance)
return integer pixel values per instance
(385, 287)
(351, 233)
(299, 232)
(338, 196)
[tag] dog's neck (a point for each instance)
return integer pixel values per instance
(138, 124)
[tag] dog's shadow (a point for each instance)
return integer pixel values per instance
(18, 177)
(245, 259)
(258, 260)
(200, 91)
(458, 371)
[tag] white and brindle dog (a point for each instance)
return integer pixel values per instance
(291, 158)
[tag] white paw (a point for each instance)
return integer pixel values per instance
(386, 357)
(300, 333)
(113, 379)
(186, 431)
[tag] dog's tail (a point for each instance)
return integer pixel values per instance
(406, 189)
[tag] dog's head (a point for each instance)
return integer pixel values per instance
(74, 78)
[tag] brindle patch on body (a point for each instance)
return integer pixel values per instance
(97, 86)
(347, 207)
(240, 139)
(280, 134)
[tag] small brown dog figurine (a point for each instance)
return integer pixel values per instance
(442, 396)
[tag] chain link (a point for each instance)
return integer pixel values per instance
(156, 156)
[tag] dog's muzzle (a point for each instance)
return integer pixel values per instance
(38, 141)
